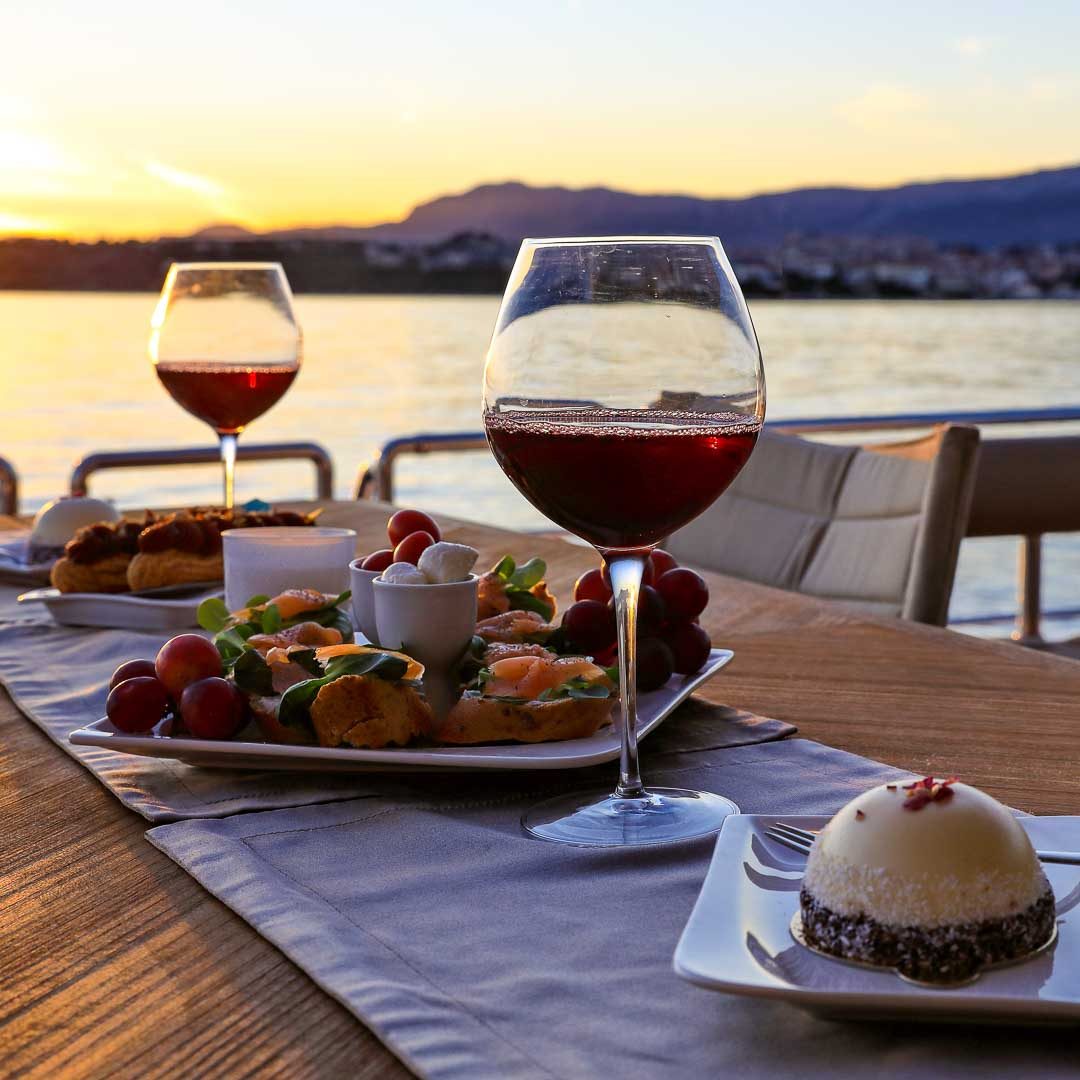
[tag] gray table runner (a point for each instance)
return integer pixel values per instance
(58, 677)
(474, 951)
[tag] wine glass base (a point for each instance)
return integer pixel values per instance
(600, 819)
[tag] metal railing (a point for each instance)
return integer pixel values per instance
(205, 455)
(1018, 489)
(9, 488)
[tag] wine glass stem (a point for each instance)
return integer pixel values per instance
(626, 571)
(228, 461)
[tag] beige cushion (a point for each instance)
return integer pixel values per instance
(879, 527)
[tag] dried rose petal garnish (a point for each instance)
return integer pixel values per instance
(927, 790)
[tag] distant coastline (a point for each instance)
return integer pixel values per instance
(1014, 237)
(476, 263)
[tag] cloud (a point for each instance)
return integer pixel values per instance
(973, 46)
(203, 185)
(881, 105)
(216, 196)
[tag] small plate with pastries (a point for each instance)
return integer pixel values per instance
(126, 611)
(149, 573)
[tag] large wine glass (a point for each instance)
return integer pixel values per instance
(225, 343)
(623, 391)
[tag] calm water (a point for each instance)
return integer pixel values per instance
(75, 378)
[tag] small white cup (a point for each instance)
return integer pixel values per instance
(432, 623)
(363, 600)
(270, 560)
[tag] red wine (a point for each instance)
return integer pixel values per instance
(621, 480)
(225, 397)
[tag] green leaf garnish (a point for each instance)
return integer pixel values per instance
(504, 568)
(294, 707)
(270, 622)
(212, 614)
(232, 642)
(532, 573)
(252, 673)
(305, 658)
(256, 601)
(576, 687)
(521, 600)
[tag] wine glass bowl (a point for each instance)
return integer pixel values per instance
(226, 345)
(623, 392)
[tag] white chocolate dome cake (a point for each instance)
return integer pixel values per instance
(934, 878)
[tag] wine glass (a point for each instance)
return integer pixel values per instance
(623, 391)
(226, 345)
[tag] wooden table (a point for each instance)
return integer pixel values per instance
(114, 961)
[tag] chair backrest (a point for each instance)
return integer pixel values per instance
(877, 526)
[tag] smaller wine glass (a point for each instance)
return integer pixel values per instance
(225, 343)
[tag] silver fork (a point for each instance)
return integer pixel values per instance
(802, 840)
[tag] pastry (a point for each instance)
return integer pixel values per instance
(531, 698)
(186, 547)
(97, 557)
(340, 695)
(933, 878)
(509, 587)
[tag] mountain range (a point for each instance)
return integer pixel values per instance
(1028, 209)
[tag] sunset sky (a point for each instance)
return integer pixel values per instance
(137, 119)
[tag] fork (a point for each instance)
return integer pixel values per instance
(802, 840)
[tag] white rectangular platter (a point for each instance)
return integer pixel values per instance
(653, 709)
(738, 940)
(119, 611)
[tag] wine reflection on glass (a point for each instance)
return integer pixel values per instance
(225, 343)
(623, 392)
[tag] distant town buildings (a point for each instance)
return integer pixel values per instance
(477, 262)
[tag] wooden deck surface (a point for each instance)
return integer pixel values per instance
(113, 961)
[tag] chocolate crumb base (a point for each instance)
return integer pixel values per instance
(941, 954)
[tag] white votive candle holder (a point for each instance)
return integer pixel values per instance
(267, 561)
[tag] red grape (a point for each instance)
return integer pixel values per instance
(133, 669)
(406, 522)
(662, 562)
(137, 704)
(651, 611)
(212, 709)
(185, 659)
(589, 626)
(412, 547)
(685, 593)
(608, 657)
(378, 560)
(592, 586)
(654, 663)
(689, 645)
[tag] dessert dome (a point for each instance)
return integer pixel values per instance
(934, 877)
(925, 854)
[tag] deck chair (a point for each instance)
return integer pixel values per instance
(876, 526)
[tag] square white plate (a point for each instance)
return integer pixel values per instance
(119, 611)
(739, 940)
(653, 708)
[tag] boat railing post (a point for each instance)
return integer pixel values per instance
(1028, 620)
(9, 488)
